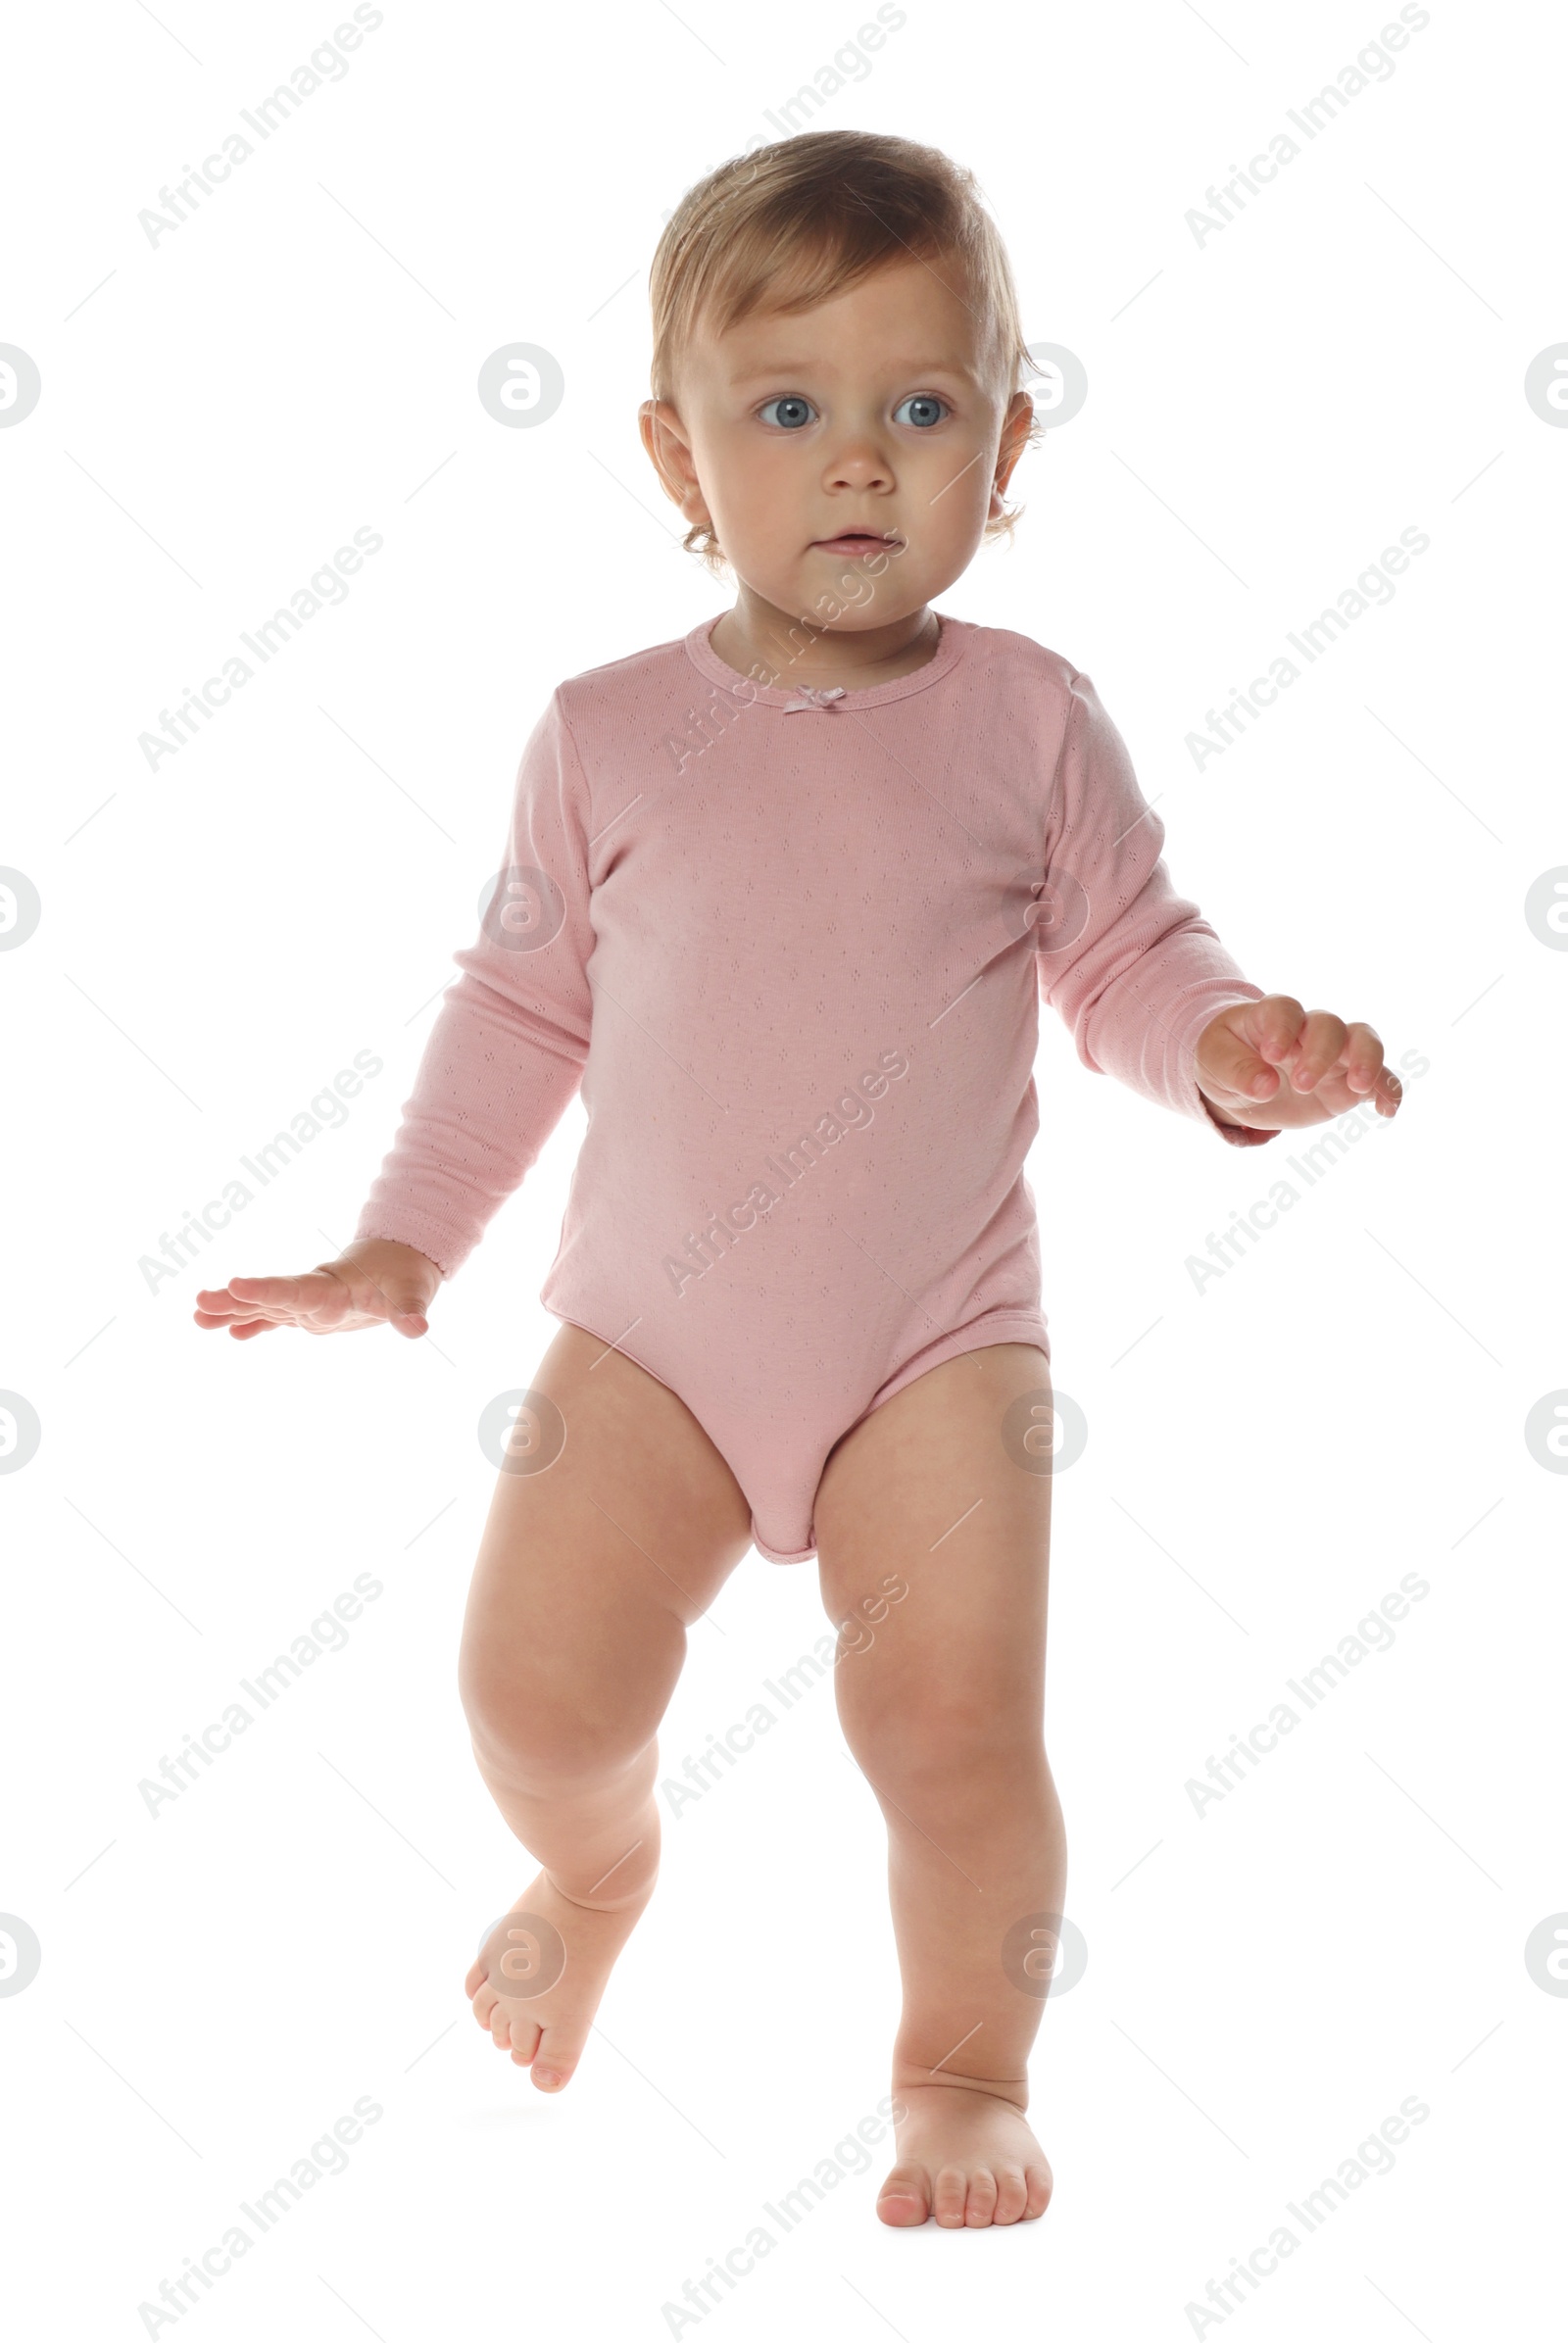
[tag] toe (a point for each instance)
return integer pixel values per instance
(501, 2026)
(475, 1979)
(904, 2200)
(982, 2201)
(1012, 2194)
(949, 2195)
(556, 2059)
(485, 2001)
(1038, 2179)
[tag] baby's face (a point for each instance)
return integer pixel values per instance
(867, 413)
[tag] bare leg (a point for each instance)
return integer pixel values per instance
(941, 1695)
(588, 1575)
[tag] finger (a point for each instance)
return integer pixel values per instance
(290, 1296)
(1390, 1090)
(313, 1301)
(1273, 1025)
(1322, 1039)
(222, 1306)
(1231, 1060)
(1363, 1057)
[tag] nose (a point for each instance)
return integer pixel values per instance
(859, 463)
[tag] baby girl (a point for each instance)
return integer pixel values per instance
(782, 896)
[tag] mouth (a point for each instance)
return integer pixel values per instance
(855, 541)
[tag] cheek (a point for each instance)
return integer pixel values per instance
(756, 484)
(946, 491)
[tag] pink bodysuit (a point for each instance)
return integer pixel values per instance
(792, 944)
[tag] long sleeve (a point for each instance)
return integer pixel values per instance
(1132, 969)
(506, 1052)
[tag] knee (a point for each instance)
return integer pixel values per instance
(945, 1750)
(537, 1738)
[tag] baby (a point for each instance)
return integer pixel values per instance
(782, 896)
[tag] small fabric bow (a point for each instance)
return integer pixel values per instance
(807, 696)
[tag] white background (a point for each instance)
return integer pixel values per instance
(1266, 1458)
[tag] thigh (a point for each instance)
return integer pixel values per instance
(614, 1524)
(933, 1527)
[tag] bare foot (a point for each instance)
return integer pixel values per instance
(965, 2157)
(559, 1956)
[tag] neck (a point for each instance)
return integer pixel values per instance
(756, 633)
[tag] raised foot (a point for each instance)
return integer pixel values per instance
(540, 1976)
(966, 2159)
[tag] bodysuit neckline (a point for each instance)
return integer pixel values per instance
(951, 646)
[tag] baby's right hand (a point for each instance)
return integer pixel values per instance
(374, 1282)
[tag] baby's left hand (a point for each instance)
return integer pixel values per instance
(1271, 1065)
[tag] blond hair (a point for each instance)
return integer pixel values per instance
(795, 223)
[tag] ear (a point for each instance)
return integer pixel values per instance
(669, 450)
(1015, 439)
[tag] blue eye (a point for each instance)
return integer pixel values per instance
(795, 411)
(926, 402)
